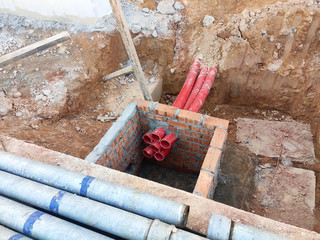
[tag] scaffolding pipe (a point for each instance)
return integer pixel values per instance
(94, 214)
(132, 200)
(220, 228)
(8, 234)
(40, 225)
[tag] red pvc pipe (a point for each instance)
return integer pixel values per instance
(188, 84)
(148, 152)
(160, 156)
(196, 88)
(168, 141)
(156, 147)
(158, 134)
(204, 91)
(147, 138)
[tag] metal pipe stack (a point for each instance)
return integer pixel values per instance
(96, 204)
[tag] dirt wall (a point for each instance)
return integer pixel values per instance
(267, 53)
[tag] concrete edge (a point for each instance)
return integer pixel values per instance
(112, 133)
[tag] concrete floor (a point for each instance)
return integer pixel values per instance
(290, 140)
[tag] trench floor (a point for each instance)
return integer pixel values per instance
(168, 176)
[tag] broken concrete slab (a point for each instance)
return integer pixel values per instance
(291, 140)
(287, 194)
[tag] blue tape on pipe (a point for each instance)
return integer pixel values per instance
(28, 225)
(16, 237)
(85, 184)
(55, 201)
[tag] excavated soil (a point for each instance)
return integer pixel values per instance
(266, 51)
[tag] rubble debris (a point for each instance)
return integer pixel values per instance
(178, 6)
(166, 7)
(5, 105)
(208, 21)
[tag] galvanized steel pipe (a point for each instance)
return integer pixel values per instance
(94, 214)
(8, 234)
(40, 225)
(132, 200)
(220, 228)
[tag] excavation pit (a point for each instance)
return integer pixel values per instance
(198, 150)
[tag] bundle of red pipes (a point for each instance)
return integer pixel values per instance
(191, 97)
(194, 92)
(160, 143)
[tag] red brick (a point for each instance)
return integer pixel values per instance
(130, 131)
(205, 185)
(145, 126)
(143, 105)
(165, 110)
(159, 118)
(207, 137)
(219, 138)
(102, 159)
(143, 120)
(178, 124)
(149, 115)
(211, 160)
(135, 117)
(205, 142)
(186, 132)
(184, 137)
(196, 140)
(212, 122)
(172, 129)
(208, 132)
(189, 117)
(195, 134)
(111, 155)
(196, 129)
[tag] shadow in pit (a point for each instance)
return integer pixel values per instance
(236, 185)
(168, 176)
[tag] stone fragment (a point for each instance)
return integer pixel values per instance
(166, 7)
(208, 21)
(135, 28)
(38, 97)
(178, 6)
(46, 92)
(145, 10)
(5, 105)
(16, 95)
(154, 34)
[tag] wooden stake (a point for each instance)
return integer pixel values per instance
(118, 73)
(131, 51)
(33, 48)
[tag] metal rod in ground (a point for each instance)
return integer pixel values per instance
(118, 73)
(40, 225)
(8, 234)
(129, 199)
(94, 214)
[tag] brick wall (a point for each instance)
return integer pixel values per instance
(198, 150)
(121, 147)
